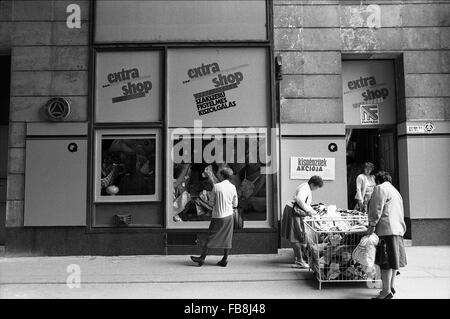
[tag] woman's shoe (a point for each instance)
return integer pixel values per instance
(300, 265)
(388, 296)
(198, 260)
(222, 263)
(393, 291)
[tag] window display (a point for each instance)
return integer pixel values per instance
(127, 167)
(193, 180)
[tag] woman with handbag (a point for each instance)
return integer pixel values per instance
(225, 201)
(386, 219)
(292, 227)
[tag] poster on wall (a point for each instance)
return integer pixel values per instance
(128, 86)
(306, 167)
(368, 92)
(221, 87)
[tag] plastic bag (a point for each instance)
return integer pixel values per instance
(364, 253)
(180, 202)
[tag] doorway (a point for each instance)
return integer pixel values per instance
(375, 145)
(5, 70)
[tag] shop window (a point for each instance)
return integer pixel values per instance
(194, 176)
(127, 165)
(128, 86)
(174, 20)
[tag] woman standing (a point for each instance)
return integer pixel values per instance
(365, 182)
(225, 201)
(386, 220)
(292, 227)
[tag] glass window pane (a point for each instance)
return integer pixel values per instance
(128, 166)
(193, 179)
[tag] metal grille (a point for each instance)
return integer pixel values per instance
(330, 243)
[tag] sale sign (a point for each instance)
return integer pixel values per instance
(306, 167)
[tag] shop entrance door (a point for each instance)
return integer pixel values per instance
(375, 145)
(5, 62)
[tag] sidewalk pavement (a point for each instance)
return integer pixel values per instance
(247, 276)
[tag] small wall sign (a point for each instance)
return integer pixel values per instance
(306, 167)
(420, 128)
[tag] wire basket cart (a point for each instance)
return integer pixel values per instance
(330, 244)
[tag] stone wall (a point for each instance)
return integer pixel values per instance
(48, 59)
(311, 36)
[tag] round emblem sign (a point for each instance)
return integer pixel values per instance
(332, 147)
(57, 109)
(429, 127)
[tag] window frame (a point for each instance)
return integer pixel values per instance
(248, 224)
(135, 133)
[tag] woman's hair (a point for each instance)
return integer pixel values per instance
(383, 176)
(368, 165)
(226, 172)
(316, 180)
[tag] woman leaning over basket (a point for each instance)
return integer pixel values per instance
(386, 219)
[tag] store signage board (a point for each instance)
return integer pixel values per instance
(420, 128)
(130, 21)
(128, 86)
(306, 167)
(369, 114)
(367, 83)
(223, 87)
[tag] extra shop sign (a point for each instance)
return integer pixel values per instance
(306, 167)
(220, 86)
(368, 92)
(128, 86)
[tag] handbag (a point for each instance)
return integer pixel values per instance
(381, 256)
(238, 220)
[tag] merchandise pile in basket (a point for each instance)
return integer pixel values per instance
(338, 219)
(333, 258)
(331, 237)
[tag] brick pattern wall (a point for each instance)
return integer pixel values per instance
(48, 59)
(311, 35)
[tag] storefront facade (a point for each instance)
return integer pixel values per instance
(162, 94)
